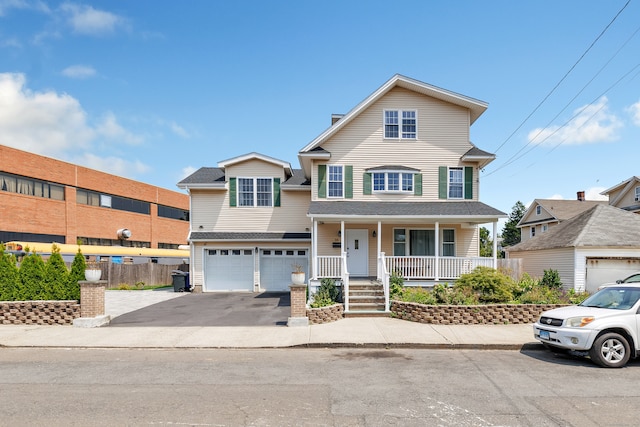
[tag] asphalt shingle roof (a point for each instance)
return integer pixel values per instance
(417, 209)
(224, 235)
(564, 209)
(600, 226)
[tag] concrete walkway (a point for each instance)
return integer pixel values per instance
(350, 332)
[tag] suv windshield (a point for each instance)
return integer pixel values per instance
(617, 298)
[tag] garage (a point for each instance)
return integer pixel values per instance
(276, 267)
(228, 270)
(607, 270)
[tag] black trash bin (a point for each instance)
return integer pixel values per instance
(180, 281)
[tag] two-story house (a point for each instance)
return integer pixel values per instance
(625, 195)
(392, 186)
(543, 214)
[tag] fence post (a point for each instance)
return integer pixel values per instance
(298, 306)
(92, 305)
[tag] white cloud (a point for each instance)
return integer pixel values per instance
(634, 110)
(6, 5)
(56, 125)
(44, 122)
(11, 42)
(111, 129)
(179, 130)
(593, 193)
(113, 165)
(87, 20)
(79, 71)
(592, 124)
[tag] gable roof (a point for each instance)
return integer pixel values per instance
(257, 156)
(475, 106)
(559, 209)
(601, 225)
(629, 185)
(215, 178)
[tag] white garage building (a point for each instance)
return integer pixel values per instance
(600, 245)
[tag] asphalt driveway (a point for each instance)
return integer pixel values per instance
(212, 309)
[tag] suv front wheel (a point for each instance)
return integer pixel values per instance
(610, 350)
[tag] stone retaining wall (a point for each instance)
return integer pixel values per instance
(326, 314)
(469, 314)
(38, 312)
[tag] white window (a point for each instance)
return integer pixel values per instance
(545, 227)
(533, 231)
(255, 192)
(448, 243)
(392, 182)
(336, 182)
(456, 183)
(421, 242)
(400, 124)
(538, 210)
(637, 198)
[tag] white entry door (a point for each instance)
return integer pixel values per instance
(358, 252)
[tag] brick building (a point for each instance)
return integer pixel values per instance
(47, 200)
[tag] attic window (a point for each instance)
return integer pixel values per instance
(400, 124)
(637, 198)
(538, 210)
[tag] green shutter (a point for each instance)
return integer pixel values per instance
(276, 192)
(232, 192)
(348, 182)
(322, 181)
(468, 182)
(417, 184)
(442, 182)
(366, 183)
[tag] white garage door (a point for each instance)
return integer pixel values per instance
(276, 267)
(606, 270)
(228, 270)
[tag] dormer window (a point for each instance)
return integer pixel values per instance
(400, 124)
(637, 198)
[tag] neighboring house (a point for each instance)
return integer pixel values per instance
(625, 195)
(391, 186)
(599, 245)
(543, 214)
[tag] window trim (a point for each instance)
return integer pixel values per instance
(342, 181)
(538, 210)
(255, 192)
(386, 189)
(400, 123)
(449, 187)
(532, 231)
(637, 195)
(407, 241)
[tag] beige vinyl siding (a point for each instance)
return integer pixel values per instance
(211, 210)
(442, 138)
(628, 199)
(562, 259)
(254, 168)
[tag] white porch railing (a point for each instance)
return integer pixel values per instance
(345, 281)
(424, 267)
(383, 276)
(330, 266)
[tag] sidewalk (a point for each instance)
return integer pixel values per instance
(377, 332)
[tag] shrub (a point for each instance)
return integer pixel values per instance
(327, 294)
(551, 279)
(419, 295)
(32, 273)
(9, 280)
(77, 274)
(396, 284)
(489, 285)
(56, 275)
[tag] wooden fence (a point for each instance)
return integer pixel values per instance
(511, 267)
(135, 275)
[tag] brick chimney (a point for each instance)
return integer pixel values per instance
(581, 196)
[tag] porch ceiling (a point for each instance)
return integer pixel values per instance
(355, 211)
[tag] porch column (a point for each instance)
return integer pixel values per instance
(379, 252)
(437, 251)
(342, 237)
(495, 244)
(314, 246)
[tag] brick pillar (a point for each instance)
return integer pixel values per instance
(298, 306)
(92, 298)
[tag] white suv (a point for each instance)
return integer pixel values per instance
(604, 326)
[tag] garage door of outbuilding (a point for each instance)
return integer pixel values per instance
(607, 270)
(276, 266)
(229, 269)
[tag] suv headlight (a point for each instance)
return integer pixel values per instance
(578, 322)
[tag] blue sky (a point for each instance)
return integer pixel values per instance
(153, 90)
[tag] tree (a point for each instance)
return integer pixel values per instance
(56, 275)
(486, 244)
(76, 274)
(8, 275)
(31, 275)
(511, 233)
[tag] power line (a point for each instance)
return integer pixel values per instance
(563, 78)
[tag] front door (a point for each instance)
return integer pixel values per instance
(358, 252)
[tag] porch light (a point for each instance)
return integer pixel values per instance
(374, 234)
(339, 232)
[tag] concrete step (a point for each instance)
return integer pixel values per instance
(366, 313)
(370, 299)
